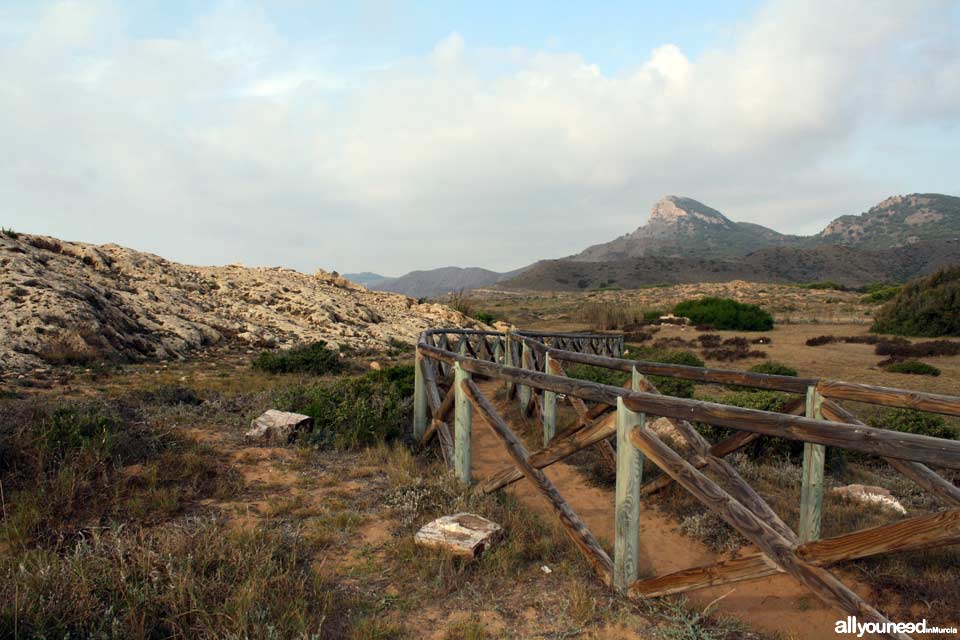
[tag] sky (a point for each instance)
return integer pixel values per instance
(390, 136)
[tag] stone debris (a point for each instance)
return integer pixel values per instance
(462, 534)
(870, 495)
(73, 302)
(277, 427)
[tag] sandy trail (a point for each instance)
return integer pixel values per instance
(773, 604)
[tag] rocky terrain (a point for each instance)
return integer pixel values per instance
(69, 302)
(897, 221)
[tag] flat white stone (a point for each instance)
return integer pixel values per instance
(463, 534)
(278, 427)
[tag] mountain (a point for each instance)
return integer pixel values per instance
(896, 222)
(438, 282)
(70, 302)
(368, 279)
(684, 227)
(842, 264)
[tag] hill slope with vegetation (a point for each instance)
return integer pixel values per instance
(926, 307)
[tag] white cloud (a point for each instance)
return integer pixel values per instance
(228, 142)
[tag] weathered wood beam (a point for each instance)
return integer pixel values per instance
(811, 489)
(947, 492)
(697, 374)
(626, 532)
(906, 446)
(463, 426)
(723, 448)
(572, 524)
(736, 485)
(561, 447)
(419, 399)
(934, 402)
(818, 580)
(923, 532)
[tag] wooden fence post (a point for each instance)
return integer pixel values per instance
(508, 360)
(463, 422)
(626, 542)
(419, 398)
(811, 489)
(524, 392)
(549, 408)
(498, 351)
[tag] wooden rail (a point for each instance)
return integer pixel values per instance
(530, 365)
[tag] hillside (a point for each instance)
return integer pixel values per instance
(69, 301)
(845, 265)
(897, 221)
(438, 282)
(367, 278)
(684, 227)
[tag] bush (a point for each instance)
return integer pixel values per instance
(913, 366)
(10, 233)
(762, 400)
(827, 284)
(881, 294)
(911, 421)
(725, 314)
(315, 358)
(351, 413)
(667, 386)
(925, 307)
(774, 368)
(900, 348)
(485, 317)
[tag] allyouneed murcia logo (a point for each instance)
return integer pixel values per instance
(850, 625)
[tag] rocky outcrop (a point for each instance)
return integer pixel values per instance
(69, 302)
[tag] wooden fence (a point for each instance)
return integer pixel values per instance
(531, 365)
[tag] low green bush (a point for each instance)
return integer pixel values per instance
(911, 421)
(725, 314)
(924, 307)
(774, 368)
(667, 386)
(914, 367)
(827, 284)
(484, 316)
(880, 293)
(351, 413)
(315, 358)
(10, 233)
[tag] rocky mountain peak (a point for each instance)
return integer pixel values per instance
(677, 210)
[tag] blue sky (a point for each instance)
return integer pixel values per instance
(340, 135)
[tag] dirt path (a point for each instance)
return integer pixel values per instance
(774, 604)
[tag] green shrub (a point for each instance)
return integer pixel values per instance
(667, 386)
(351, 413)
(10, 233)
(911, 421)
(484, 316)
(913, 366)
(924, 307)
(827, 284)
(724, 313)
(765, 446)
(315, 358)
(774, 368)
(881, 293)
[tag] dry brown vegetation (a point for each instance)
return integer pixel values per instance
(133, 508)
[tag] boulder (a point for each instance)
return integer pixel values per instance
(870, 495)
(462, 534)
(277, 427)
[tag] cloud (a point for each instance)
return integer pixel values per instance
(228, 141)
